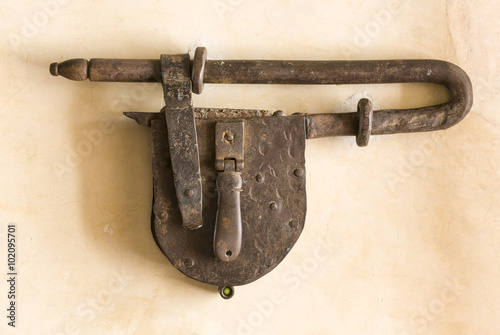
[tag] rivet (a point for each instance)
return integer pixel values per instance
(273, 206)
(298, 173)
(293, 224)
(188, 262)
(259, 178)
(229, 136)
(279, 113)
(189, 192)
(163, 216)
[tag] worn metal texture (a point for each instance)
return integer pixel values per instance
(228, 225)
(128, 70)
(273, 199)
(388, 121)
(109, 70)
(73, 69)
(198, 72)
(182, 137)
(365, 115)
(239, 175)
(393, 121)
(229, 161)
(229, 144)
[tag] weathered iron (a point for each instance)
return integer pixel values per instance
(229, 197)
(176, 81)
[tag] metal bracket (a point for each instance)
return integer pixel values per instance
(229, 153)
(176, 81)
(229, 144)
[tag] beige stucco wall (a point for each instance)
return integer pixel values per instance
(401, 237)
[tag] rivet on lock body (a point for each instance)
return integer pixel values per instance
(229, 192)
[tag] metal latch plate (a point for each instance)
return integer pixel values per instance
(273, 199)
(229, 144)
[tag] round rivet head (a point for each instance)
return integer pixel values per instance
(259, 178)
(229, 137)
(188, 262)
(279, 113)
(189, 192)
(293, 224)
(273, 206)
(163, 216)
(299, 173)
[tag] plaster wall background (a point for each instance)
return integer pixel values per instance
(401, 237)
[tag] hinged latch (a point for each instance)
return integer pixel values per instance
(229, 161)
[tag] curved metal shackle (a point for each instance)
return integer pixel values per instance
(389, 121)
(377, 122)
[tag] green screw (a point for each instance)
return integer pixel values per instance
(227, 291)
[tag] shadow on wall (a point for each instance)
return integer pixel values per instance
(112, 156)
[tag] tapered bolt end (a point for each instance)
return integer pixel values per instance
(54, 69)
(73, 69)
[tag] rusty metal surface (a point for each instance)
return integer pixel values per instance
(229, 144)
(198, 73)
(74, 69)
(128, 70)
(250, 214)
(180, 123)
(144, 119)
(365, 116)
(393, 121)
(273, 200)
(228, 225)
(229, 161)
(389, 121)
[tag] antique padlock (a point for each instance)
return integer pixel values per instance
(229, 192)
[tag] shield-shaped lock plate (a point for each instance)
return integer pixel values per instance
(273, 196)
